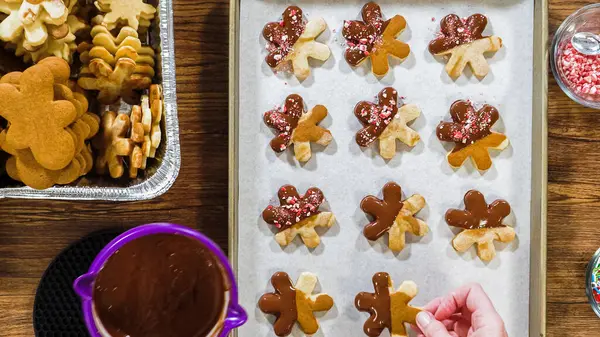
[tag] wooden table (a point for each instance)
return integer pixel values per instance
(33, 232)
(573, 194)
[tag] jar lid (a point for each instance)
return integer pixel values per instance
(592, 287)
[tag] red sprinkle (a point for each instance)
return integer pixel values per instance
(581, 72)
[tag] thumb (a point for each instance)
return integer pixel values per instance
(430, 326)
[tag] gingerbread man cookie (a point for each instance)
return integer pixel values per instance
(34, 20)
(297, 127)
(294, 304)
(374, 38)
(481, 224)
(139, 135)
(156, 109)
(470, 131)
(292, 41)
(37, 121)
(298, 215)
(108, 81)
(23, 165)
(63, 47)
(462, 39)
(112, 144)
(394, 216)
(388, 307)
(386, 122)
(131, 12)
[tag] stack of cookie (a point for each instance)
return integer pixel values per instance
(156, 107)
(37, 29)
(134, 137)
(118, 66)
(48, 125)
(145, 124)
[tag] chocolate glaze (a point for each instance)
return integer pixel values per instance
(281, 36)
(468, 125)
(285, 121)
(477, 213)
(281, 303)
(294, 208)
(376, 117)
(384, 211)
(361, 36)
(160, 285)
(378, 304)
(456, 31)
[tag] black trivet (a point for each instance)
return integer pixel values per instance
(57, 309)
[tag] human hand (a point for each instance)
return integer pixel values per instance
(465, 312)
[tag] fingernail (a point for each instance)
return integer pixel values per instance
(423, 319)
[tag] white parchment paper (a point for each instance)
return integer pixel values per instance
(345, 261)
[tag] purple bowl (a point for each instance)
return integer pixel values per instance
(235, 315)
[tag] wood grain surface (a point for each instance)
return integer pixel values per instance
(33, 232)
(573, 201)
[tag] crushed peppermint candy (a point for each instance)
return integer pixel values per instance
(580, 72)
(375, 117)
(474, 123)
(282, 35)
(362, 36)
(468, 124)
(293, 207)
(284, 121)
(455, 31)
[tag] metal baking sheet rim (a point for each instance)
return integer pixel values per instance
(167, 172)
(539, 181)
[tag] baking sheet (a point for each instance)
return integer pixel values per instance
(346, 261)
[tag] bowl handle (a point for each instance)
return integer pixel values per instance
(84, 286)
(236, 317)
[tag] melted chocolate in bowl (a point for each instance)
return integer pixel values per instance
(159, 286)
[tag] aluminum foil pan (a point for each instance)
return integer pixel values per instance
(162, 171)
